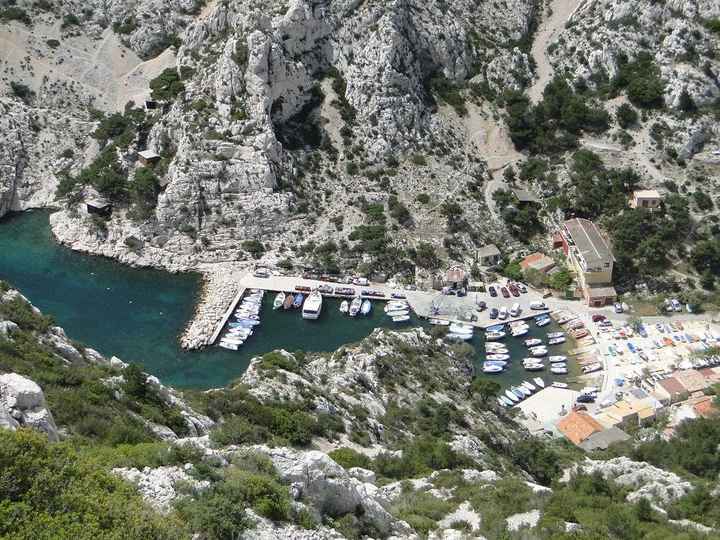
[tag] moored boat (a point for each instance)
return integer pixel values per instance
(298, 300)
(312, 306)
(401, 318)
(513, 397)
(496, 356)
(287, 304)
(355, 306)
(366, 307)
(439, 322)
(279, 299)
(558, 371)
(344, 306)
(552, 335)
(560, 385)
(494, 336)
(456, 336)
(230, 346)
(538, 351)
(556, 341)
(557, 359)
(534, 342)
(397, 313)
(461, 328)
(492, 368)
(542, 322)
(538, 381)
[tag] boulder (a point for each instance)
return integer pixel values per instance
(22, 403)
(159, 486)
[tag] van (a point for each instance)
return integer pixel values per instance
(502, 314)
(537, 305)
(515, 310)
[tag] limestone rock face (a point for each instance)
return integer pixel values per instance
(159, 486)
(22, 403)
(658, 486)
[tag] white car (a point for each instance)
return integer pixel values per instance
(676, 305)
(503, 314)
(618, 307)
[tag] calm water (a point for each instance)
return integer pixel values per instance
(138, 314)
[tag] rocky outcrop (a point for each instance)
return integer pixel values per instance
(161, 486)
(22, 404)
(646, 481)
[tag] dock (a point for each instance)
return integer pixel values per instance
(227, 315)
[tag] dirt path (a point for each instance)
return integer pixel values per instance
(550, 27)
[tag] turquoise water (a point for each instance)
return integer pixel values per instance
(138, 314)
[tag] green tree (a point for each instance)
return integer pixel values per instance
(484, 388)
(626, 116)
(167, 86)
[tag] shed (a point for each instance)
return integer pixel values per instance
(524, 196)
(455, 276)
(489, 255)
(98, 207)
(602, 439)
(148, 157)
(578, 426)
(537, 261)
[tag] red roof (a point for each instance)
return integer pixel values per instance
(578, 426)
(672, 386)
(706, 408)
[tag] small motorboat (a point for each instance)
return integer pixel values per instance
(287, 304)
(355, 306)
(538, 351)
(439, 322)
(559, 370)
(500, 363)
(344, 306)
(492, 368)
(455, 336)
(461, 328)
(492, 347)
(553, 335)
(501, 401)
(560, 385)
(230, 346)
(562, 365)
(542, 322)
(518, 332)
(496, 328)
(557, 359)
(592, 368)
(513, 397)
(508, 403)
(279, 299)
(298, 301)
(530, 386)
(397, 312)
(556, 341)
(534, 342)
(539, 382)
(246, 323)
(402, 318)
(503, 357)
(494, 335)
(534, 367)
(577, 334)
(499, 350)
(391, 306)
(521, 391)
(366, 307)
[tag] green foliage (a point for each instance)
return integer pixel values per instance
(349, 458)
(706, 256)
(254, 247)
(626, 116)
(49, 491)
(399, 212)
(69, 20)
(106, 174)
(248, 421)
(513, 270)
(22, 91)
(21, 313)
(276, 360)
(553, 125)
(537, 458)
(523, 219)
(419, 457)
(167, 86)
(144, 191)
(423, 198)
(641, 79)
(420, 509)
(703, 201)
(126, 27)
(112, 127)
(713, 25)
(449, 92)
(484, 388)
(426, 256)
(13, 13)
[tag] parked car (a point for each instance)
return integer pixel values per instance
(547, 293)
(493, 313)
(585, 398)
(618, 307)
(505, 292)
(492, 291)
(676, 305)
(481, 305)
(598, 318)
(514, 290)
(503, 314)
(522, 287)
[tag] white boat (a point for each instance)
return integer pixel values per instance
(513, 397)
(501, 363)
(494, 336)
(366, 307)
(560, 385)
(557, 359)
(232, 339)
(492, 368)
(530, 386)
(534, 367)
(558, 371)
(240, 331)
(499, 350)
(538, 351)
(491, 346)
(344, 306)
(227, 345)
(501, 402)
(397, 313)
(246, 322)
(556, 341)
(552, 335)
(533, 342)
(401, 318)
(542, 322)
(391, 306)
(313, 306)
(495, 356)
(559, 366)
(461, 328)
(453, 335)
(507, 402)
(517, 332)
(539, 382)
(524, 391)
(355, 306)
(439, 322)
(279, 299)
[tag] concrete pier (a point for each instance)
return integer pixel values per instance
(226, 316)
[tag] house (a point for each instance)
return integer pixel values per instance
(455, 277)
(95, 203)
(705, 407)
(626, 413)
(537, 261)
(148, 157)
(524, 196)
(489, 255)
(578, 426)
(601, 440)
(590, 256)
(692, 380)
(670, 391)
(646, 198)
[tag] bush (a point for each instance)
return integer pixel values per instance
(167, 86)
(349, 458)
(626, 116)
(22, 91)
(641, 80)
(69, 20)
(14, 13)
(254, 248)
(449, 92)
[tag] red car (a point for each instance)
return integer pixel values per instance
(597, 317)
(514, 290)
(505, 292)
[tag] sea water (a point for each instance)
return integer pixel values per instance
(138, 314)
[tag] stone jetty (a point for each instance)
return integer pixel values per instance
(221, 283)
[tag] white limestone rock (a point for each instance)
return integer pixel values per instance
(523, 520)
(159, 486)
(22, 403)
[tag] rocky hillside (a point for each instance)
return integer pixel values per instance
(390, 438)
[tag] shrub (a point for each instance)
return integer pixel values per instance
(626, 116)
(70, 20)
(52, 43)
(13, 13)
(254, 248)
(167, 86)
(641, 79)
(449, 92)
(22, 91)
(349, 458)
